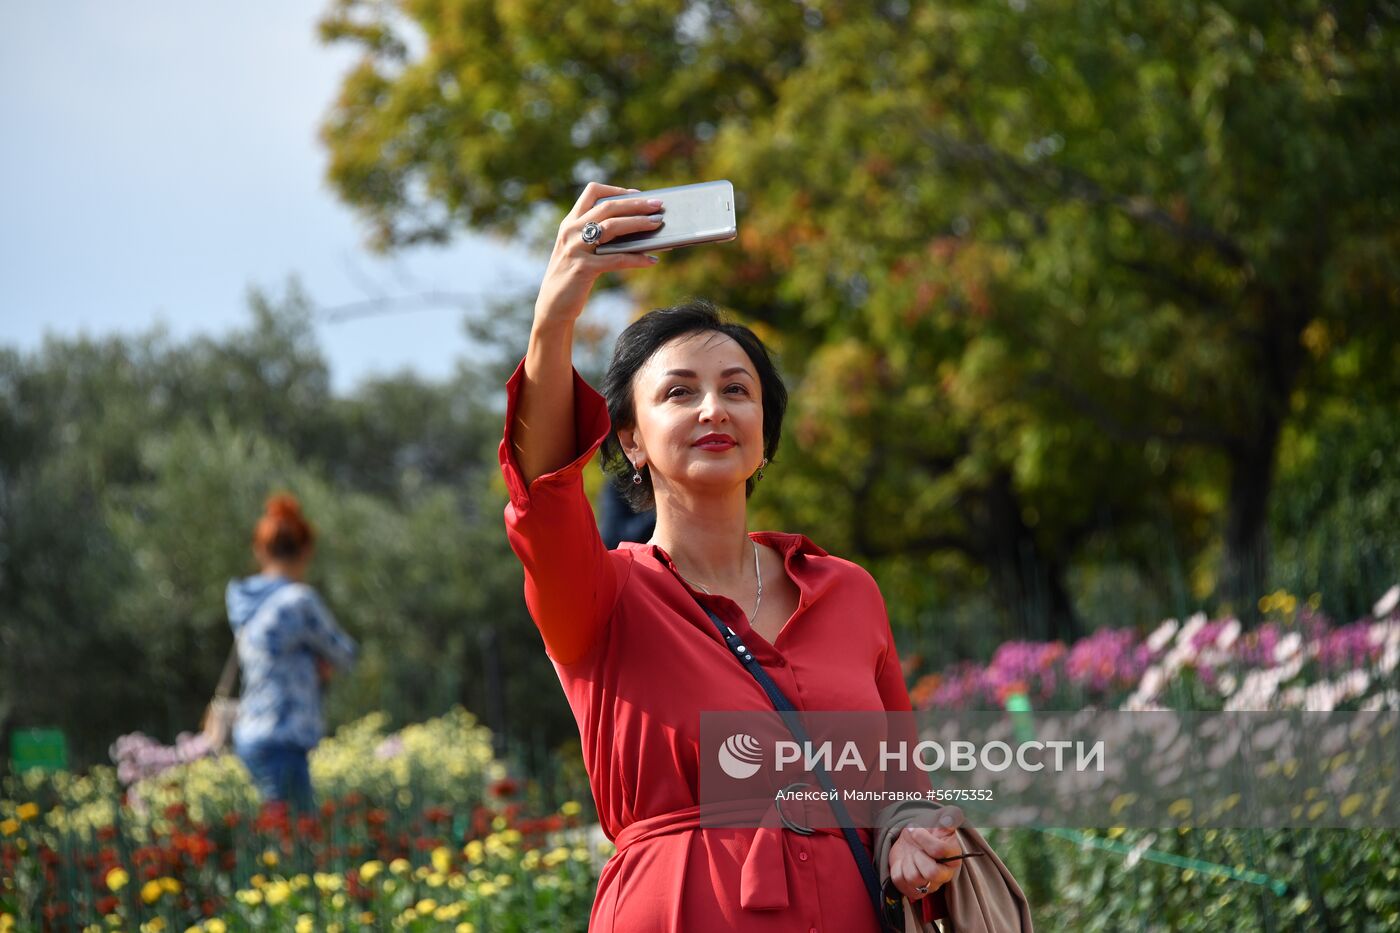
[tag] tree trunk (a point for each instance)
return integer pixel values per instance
(1029, 583)
(1253, 459)
(1245, 570)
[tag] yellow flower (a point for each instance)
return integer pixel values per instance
(408, 916)
(8, 828)
(150, 892)
(251, 898)
(435, 880)
(27, 811)
(7, 923)
(571, 808)
(269, 858)
(170, 885)
(117, 879)
(257, 881)
(305, 924)
(426, 906)
(327, 882)
(215, 925)
(277, 893)
(369, 869)
(475, 852)
(486, 889)
(154, 925)
(399, 866)
(442, 859)
(466, 926)
(367, 917)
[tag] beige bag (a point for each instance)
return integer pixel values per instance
(983, 897)
(222, 710)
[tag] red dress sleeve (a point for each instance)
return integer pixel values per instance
(571, 581)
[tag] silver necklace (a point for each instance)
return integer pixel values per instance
(758, 571)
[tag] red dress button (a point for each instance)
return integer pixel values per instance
(802, 855)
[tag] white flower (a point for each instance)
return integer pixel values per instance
(1229, 634)
(1162, 636)
(1151, 683)
(1287, 647)
(1390, 700)
(1192, 626)
(1387, 603)
(1135, 854)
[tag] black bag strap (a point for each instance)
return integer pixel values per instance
(790, 717)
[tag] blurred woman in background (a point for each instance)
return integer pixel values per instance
(288, 646)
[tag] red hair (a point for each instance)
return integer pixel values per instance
(282, 533)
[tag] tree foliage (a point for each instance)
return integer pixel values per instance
(1045, 273)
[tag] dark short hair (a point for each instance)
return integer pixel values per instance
(635, 345)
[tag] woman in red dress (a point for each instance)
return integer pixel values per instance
(692, 415)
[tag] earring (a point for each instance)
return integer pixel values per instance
(759, 475)
(636, 477)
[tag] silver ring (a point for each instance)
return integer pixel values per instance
(591, 233)
(922, 889)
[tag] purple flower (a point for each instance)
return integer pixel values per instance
(1109, 659)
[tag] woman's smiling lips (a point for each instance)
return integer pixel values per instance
(715, 442)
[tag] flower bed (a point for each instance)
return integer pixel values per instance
(1297, 660)
(416, 830)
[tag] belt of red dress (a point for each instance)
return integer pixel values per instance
(763, 878)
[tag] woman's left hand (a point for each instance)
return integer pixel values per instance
(913, 857)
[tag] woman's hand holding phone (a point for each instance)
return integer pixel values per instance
(574, 265)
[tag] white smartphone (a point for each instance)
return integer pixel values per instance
(698, 213)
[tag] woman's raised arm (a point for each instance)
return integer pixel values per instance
(554, 423)
(543, 432)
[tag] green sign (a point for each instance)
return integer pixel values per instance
(46, 749)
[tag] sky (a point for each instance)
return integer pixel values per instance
(159, 159)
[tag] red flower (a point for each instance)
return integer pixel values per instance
(505, 787)
(309, 826)
(106, 905)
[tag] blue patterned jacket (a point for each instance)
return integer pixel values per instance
(282, 627)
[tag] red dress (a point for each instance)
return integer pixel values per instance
(639, 660)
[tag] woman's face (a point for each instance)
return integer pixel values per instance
(692, 387)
